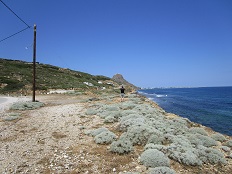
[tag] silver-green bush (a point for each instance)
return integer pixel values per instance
(128, 105)
(198, 139)
(12, 116)
(161, 148)
(198, 130)
(106, 137)
(91, 111)
(161, 170)
(228, 143)
(113, 107)
(125, 113)
(121, 146)
(154, 158)
(130, 120)
(218, 137)
(26, 105)
(211, 155)
(225, 148)
(110, 119)
(181, 150)
(96, 131)
(139, 134)
(156, 139)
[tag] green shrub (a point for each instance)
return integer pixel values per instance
(225, 148)
(127, 105)
(113, 107)
(156, 139)
(228, 143)
(106, 137)
(218, 137)
(26, 105)
(139, 134)
(161, 170)
(181, 150)
(125, 113)
(161, 148)
(106, 113)
(12, 116)
(198, 139)
(198, 130)
(121, 146)
(96, 131)
(91, 111)
(154, 158)
(211, 155)
(130, 120)
(110, 119)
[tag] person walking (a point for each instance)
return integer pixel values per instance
(122, 89)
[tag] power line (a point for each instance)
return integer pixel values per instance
(18, 18)
(14, 34)
(15, 14)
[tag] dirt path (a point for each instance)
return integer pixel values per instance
(52, 140)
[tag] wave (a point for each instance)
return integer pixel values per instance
(157, 95)
(152, 94)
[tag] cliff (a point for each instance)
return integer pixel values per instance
(118, 78)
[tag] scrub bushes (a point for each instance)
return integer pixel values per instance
(228, 143)
(130, 120)
(198, 130)
(102, 135)
(210, 155)
(106, 137)
(198, 139)
(161, 170)
(96, 131)
(154, 158)
(218, 137)
(91, 111)
(181, 150)
(156, 139)
(139, 134)
(121, 146)
(164, 137)
(26, 105)
(12, 116)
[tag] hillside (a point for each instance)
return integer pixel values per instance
(121, 81)
(16, 76)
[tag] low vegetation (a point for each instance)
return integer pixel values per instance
(17, 76)
(26, 105)
(163, 138)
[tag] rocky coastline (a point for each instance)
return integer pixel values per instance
(90, 133)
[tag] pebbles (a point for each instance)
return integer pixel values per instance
(52, 140)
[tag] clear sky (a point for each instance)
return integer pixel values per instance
(152, 43)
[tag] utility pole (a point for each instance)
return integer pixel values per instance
(34, 63)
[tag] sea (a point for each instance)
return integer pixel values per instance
(209, 106)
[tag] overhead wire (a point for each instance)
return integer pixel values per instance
(14, 34)
(28, 26)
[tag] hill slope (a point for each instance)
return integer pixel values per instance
(16, 75)
(121, 81)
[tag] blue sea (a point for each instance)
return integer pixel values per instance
(209, 106)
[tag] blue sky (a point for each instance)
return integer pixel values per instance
(152, 43)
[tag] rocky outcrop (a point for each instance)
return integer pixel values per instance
(121, 81)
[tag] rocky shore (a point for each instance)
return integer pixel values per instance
(89, 133)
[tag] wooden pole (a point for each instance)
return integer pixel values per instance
(34, 63)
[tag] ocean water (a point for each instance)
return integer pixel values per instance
(209, 106)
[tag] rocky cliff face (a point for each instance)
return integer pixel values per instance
(121, 81)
